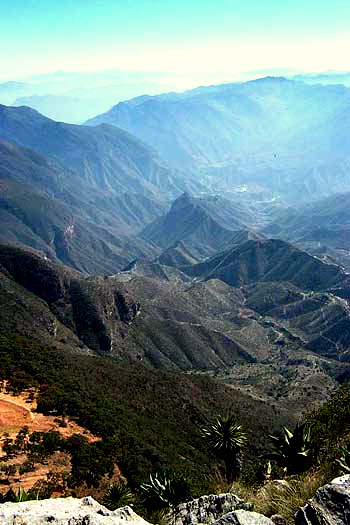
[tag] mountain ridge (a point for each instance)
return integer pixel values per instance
(134, 166)
(270, 260)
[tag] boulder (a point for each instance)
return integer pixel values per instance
(66, 511)
(243, 517)
(330, 506)
(207, 509)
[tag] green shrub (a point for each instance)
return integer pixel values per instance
(330, 426)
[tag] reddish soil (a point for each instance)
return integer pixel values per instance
(19, 411)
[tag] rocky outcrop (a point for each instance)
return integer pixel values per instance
(208, 509)
(330, 506)
(66, 511)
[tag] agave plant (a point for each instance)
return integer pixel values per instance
(290, 451)
(226, 438)
(165, 488)
(344, 460)
(117, 495)
(21, 495)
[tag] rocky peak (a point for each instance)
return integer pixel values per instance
(185, 200)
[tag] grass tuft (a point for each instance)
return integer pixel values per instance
(286, 497)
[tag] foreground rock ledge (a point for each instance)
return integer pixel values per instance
(66, 511)
(330, 506)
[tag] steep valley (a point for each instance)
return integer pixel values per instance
(149, 283)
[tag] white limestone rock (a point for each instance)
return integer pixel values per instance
(66, 511)
(243, 517)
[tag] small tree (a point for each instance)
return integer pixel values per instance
(9, 448)
(226, 438)
(21, 438)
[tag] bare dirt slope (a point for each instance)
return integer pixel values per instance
(17, 412)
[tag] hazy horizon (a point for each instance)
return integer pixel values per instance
(205, 40)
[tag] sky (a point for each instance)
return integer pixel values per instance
(215, 37)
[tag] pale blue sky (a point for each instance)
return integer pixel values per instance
(165, 35)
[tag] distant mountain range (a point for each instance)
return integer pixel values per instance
(64, 187)
(74, 97)
(322, 227)
(66, 108)
(328, 77)
(269, 135)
